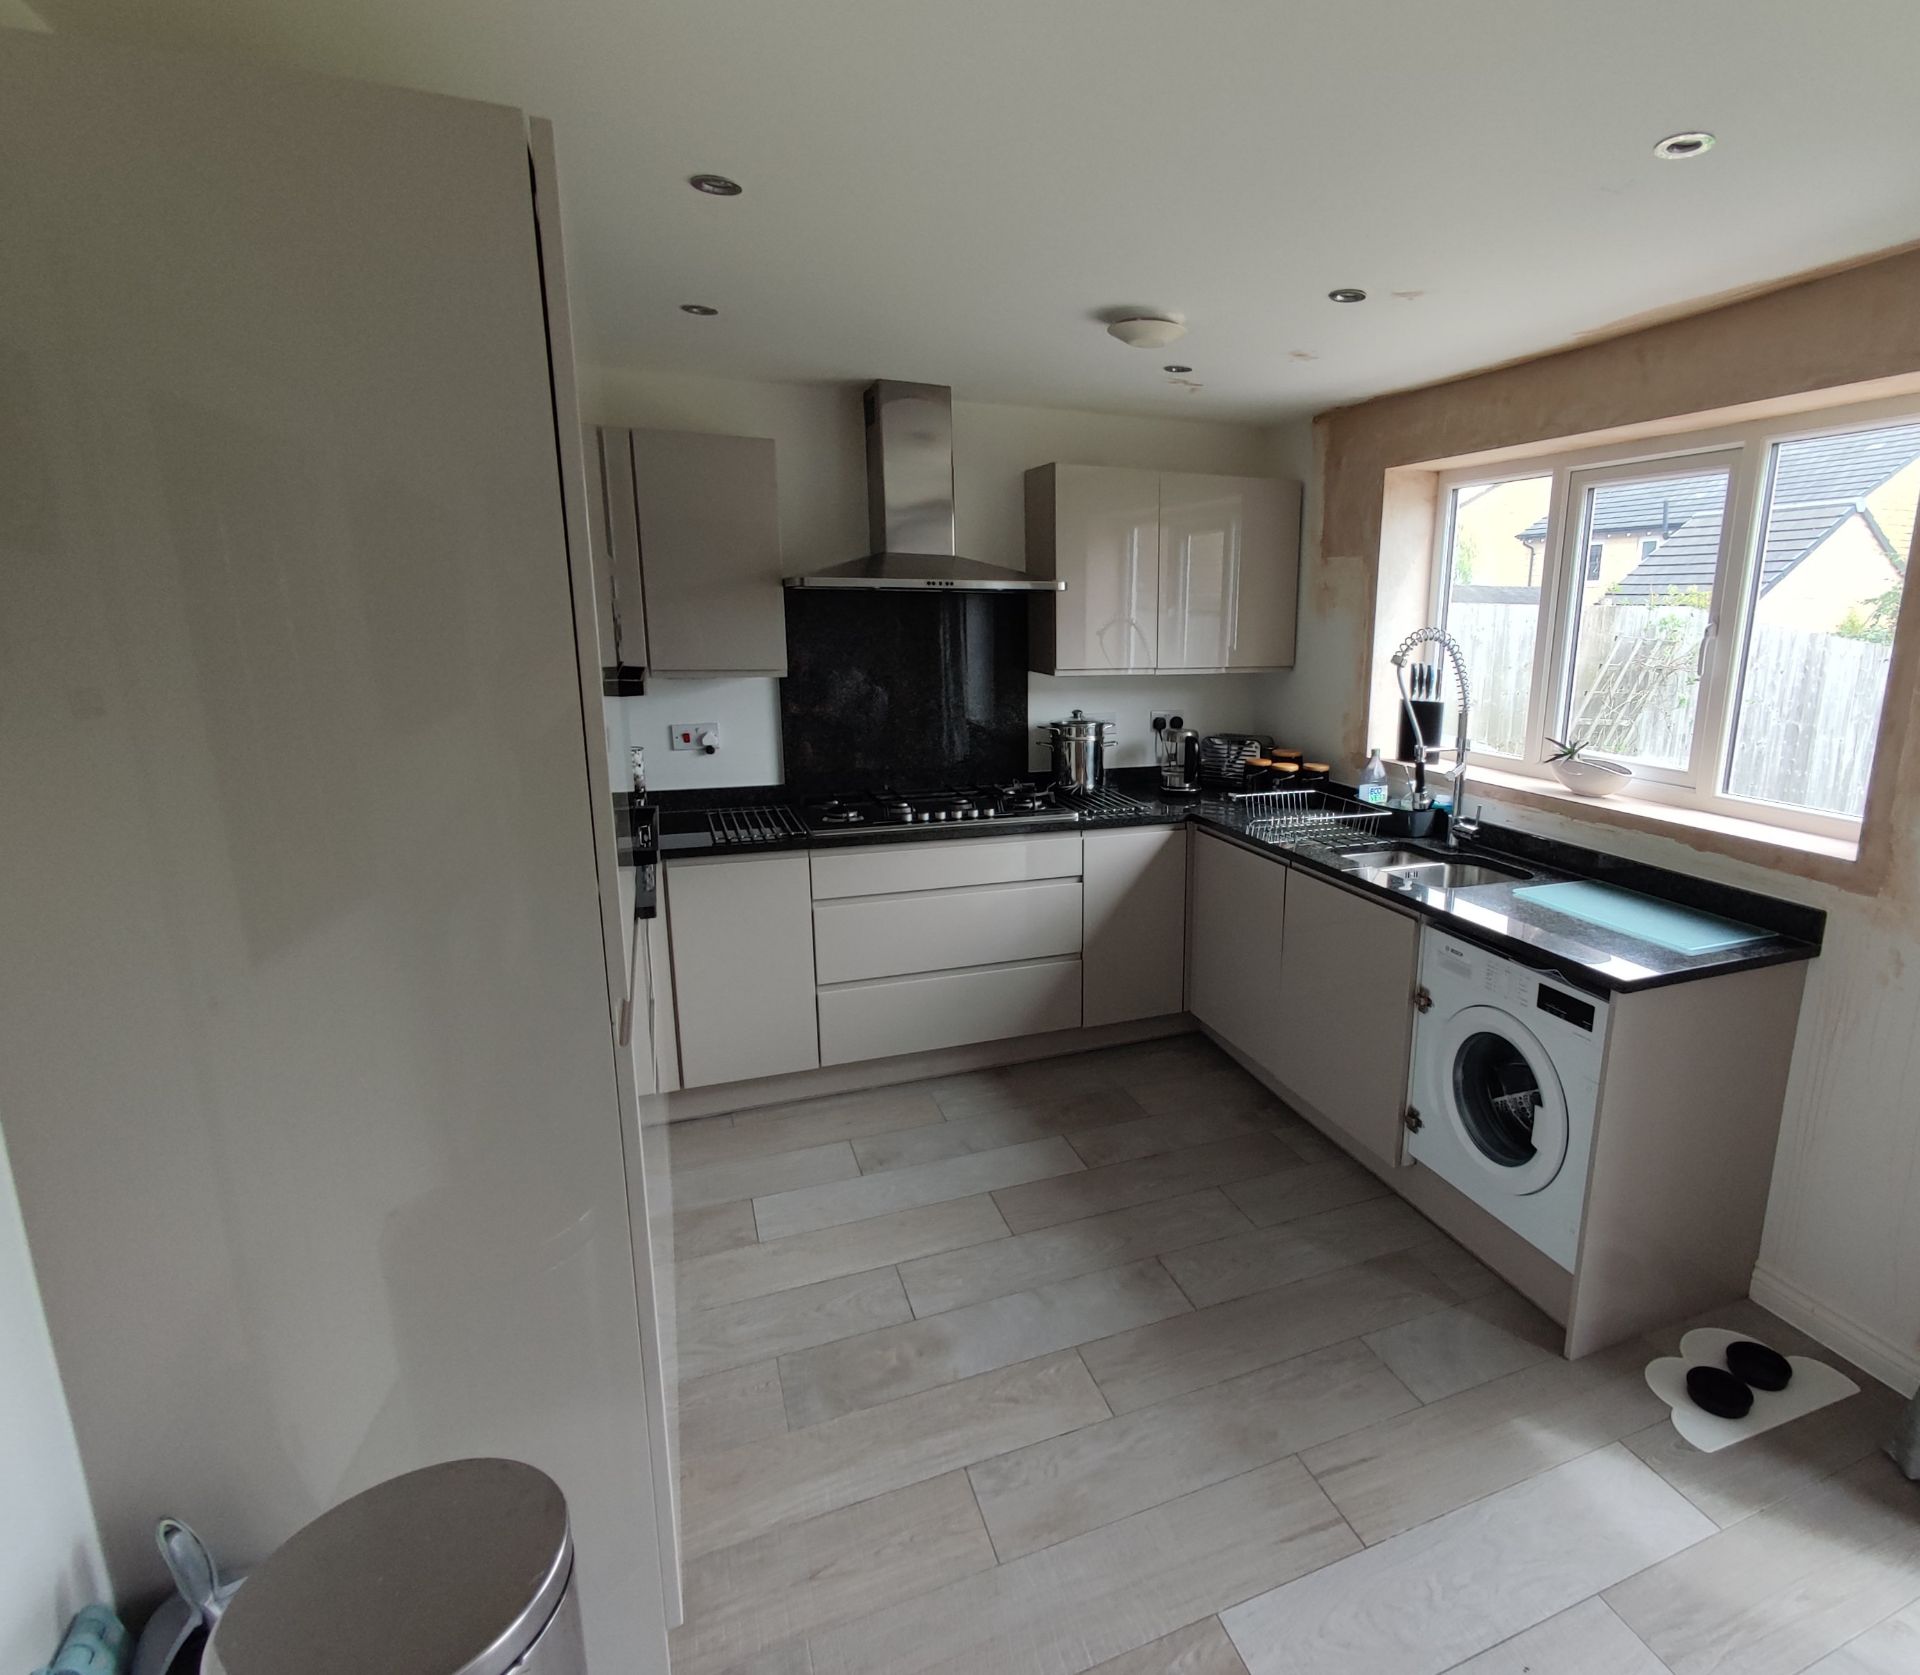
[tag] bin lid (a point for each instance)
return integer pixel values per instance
(452, 1570)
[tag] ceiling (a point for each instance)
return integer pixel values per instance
(954, 190)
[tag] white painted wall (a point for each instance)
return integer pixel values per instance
(50, 1562)
(821, 465)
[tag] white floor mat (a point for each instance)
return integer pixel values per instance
(1814, 1385)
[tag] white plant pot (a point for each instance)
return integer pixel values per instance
(1589, 777)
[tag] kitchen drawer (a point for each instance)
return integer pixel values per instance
(887, 869)
(937, 930)
(947, 1009)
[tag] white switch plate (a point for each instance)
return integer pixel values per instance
(694, 735)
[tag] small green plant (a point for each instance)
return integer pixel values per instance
(1576, 751)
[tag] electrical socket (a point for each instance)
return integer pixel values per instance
(1163, 719)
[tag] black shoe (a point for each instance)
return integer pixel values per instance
(1719, 1392)
(1755, 1364)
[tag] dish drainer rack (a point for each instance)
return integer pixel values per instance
(1314, 816)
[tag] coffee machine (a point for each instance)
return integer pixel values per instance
(1176, 751)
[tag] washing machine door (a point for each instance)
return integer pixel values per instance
(1502, 1099)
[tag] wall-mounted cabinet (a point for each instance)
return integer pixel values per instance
(1165, 570)
(688, 555)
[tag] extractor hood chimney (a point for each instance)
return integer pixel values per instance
(910, 503)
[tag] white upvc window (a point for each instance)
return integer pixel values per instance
(1714, 609)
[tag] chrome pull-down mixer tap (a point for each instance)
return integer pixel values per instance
(1458, 826)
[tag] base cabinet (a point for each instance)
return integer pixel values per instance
(1235, 933)
(1135, 902)
(743, 987)
(1348, 971)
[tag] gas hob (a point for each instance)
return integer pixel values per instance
(1015, 804)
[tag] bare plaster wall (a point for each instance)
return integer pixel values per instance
(1842, 1245)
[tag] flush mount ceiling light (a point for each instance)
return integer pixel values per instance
(1675, 147)
(1176, 368)
(715, 185)
(1346, 293)
(699, 308)
(1147, 331)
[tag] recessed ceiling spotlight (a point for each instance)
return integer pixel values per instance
(1346, 293)
(699, 308)
(1677, 146)
(715, 185)
(1176, 368)
(1147, 331)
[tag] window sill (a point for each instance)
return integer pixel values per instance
(1832, 860)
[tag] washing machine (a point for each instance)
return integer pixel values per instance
(1506, 1077)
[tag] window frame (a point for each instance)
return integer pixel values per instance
(1747, 450)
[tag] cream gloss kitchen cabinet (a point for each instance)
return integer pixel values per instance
(1235, 930)
(1348, 970)
(926, 945)
(1164, 570)
(1135, 896)
(692, 531)
(741, 934)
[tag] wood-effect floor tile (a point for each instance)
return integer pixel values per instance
(759, 1595)
(1587, 1639)
(1070, 1607)
(1270, 1256)
(929, 1144)
(758, 1270)
(743, 1492)
(783, 1214)
(711, 1340)
(1269, 1200)
(882, 1366)
(794, 1127)
(1050, 1491)
(1392, 1476)
(1122, 1142)
(1046, 1203)
(959, 1277)
(712, 1228)
(1211, 1345)
(1474, 1343)
(763, 1173)
(1890, 1647)
(1202, 1648)
(1786, 1587)
(723, 1410)
(1737, 1482)
(1444, 1592)
(1038, 1085)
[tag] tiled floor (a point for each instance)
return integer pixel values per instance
(1110, 1363)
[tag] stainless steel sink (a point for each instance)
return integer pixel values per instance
(1432, 869)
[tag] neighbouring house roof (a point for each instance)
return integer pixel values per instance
(1820, 483)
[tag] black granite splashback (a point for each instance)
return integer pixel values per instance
(903, 690)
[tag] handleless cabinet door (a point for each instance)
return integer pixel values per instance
(614, 522)
(709, 554)
(742, 936)
(1235, 932)
(1347, 978)
(1229, 571)
(1096, 528)
(1135, 902)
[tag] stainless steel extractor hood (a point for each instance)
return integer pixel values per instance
(910, 503)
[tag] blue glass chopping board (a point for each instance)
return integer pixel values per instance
(1683, 929)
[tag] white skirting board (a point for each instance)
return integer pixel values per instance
(1893, 1364)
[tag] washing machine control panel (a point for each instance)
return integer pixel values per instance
(1556, 1003)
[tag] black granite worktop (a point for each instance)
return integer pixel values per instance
(1588, 956)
